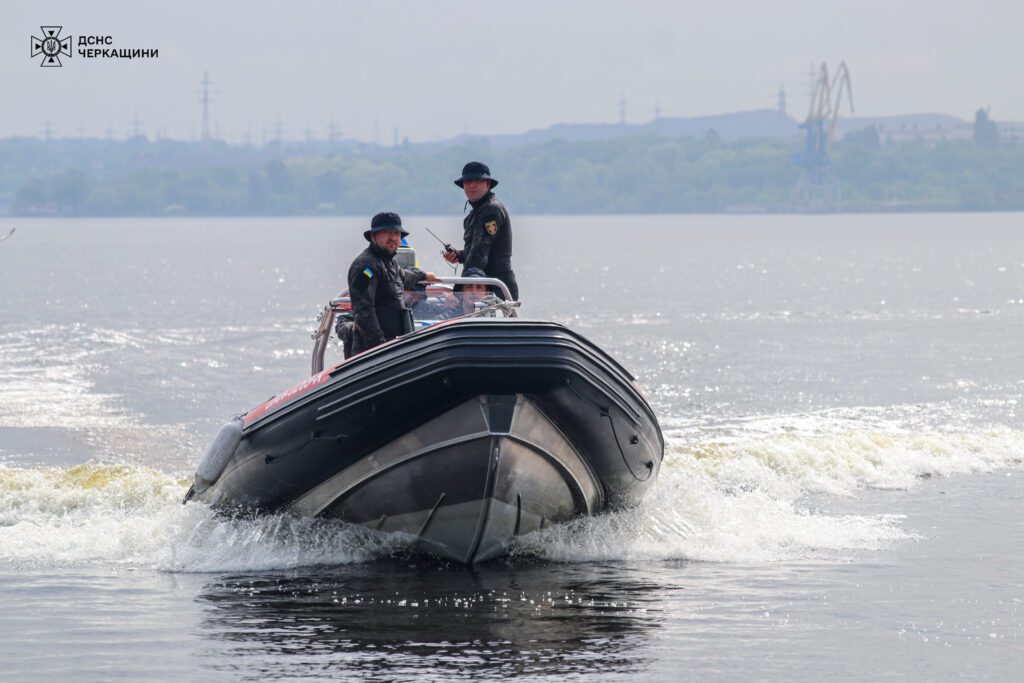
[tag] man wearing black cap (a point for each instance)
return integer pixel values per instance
(487, 230)
(376, 282)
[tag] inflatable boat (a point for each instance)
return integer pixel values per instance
(462, 435)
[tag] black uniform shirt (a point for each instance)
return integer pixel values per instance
(375, 284)
(487, 234)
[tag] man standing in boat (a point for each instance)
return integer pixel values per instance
(376, 283)
(487, 230)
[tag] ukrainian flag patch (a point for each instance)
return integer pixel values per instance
(367, 272)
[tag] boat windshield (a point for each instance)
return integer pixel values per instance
(444, 303)
(446, 299)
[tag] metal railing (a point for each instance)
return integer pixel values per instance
(325, 320)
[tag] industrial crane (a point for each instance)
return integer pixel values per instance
(817, 182)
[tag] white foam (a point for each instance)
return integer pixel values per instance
(696, 518)
(740, 492)
(747, 491)
(130, 515)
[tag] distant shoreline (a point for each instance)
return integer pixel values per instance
(644, 174)
(906, 208)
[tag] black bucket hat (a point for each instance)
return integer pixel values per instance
(385, 220)
(476, 170)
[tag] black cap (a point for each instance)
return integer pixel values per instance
(385, 220)
(475, 170)
(468, 272)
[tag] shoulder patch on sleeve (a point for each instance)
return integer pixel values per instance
(491, 227)
(367, 272)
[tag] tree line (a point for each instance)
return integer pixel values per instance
(640, 174)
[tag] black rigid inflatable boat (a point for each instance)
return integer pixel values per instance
(463, 435)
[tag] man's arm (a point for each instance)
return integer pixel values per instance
(362, 291)
(413, 276)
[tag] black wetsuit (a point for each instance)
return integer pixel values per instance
(375, 284)
(487, 234)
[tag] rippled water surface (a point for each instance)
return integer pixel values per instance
(841, 494)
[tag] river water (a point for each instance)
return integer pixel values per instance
(841, 495)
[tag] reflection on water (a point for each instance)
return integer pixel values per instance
(399, 618)
(809, 371)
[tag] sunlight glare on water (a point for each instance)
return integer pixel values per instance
(840, 491)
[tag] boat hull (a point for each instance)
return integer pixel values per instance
(462, 437)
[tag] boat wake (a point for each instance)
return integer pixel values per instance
(760, 490)
(132, 516)
(768, 494)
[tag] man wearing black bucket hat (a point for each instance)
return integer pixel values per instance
(375, 285)
(487, 230)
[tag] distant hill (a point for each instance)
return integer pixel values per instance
(761, 123)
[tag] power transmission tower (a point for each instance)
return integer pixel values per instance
(205, 98)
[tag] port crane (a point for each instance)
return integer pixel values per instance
(818, 187)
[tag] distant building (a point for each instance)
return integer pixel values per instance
(890, 134)
(897, 135)
(1011, 132)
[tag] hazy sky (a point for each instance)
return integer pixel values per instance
(439, 68)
